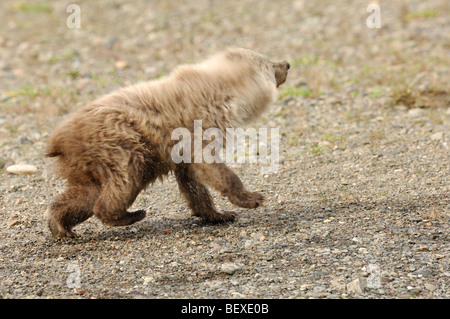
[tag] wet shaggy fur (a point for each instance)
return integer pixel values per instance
(111, 149)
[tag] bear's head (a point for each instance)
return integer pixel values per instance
(276, 71)
(248, 79)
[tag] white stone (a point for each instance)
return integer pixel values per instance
(431, 287)
(22, 169)
(148, 280)
(230, 268)
(357, 286)
(437, 136)
(415, 112)
(120, 64)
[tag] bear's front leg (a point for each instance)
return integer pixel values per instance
(224, 180)
(199, 198)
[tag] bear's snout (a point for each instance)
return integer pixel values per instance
(281, 71)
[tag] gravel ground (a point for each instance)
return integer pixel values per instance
(359, 206)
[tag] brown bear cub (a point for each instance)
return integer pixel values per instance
(111, 149)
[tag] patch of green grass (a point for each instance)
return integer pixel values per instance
(100, 79)
(284, 111)
(375, 93)
(331, 64)
(292, 91)
(335, 141)
(53, 59)
(307, 59)
(354, 80)
(333, 138)
(421, 14)
(46, 91)
(74, 74)
(25, 90)
(161, 74)
(368, 69)
(37, 7)
(28, 91)
(316, 149)
(70, 54)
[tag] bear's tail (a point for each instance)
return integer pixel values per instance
(52, 150)
(53, 154)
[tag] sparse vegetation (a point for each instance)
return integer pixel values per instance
(421, 14)
(315, 148)
(375, 93)
(295, 92)
(30, 7)
(413, 97)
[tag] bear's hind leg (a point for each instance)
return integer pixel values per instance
(111, 206)
(70, 208)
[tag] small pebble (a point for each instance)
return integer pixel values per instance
(231, 268)
(120, 64)
(22, 169)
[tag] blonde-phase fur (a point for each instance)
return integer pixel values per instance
(111, 149)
